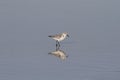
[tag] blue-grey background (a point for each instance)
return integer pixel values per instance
(93, 46)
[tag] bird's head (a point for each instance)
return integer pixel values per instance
(65, 33)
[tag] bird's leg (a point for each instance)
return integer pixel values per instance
(56, 44)
(59, 44)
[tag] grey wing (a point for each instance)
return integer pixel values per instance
(57, 35)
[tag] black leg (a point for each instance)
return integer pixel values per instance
(56, 43)
(59, 44)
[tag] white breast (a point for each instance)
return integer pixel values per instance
(62, 37)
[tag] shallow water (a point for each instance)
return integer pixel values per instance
(93, 47)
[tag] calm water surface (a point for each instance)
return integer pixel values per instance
(93, 46)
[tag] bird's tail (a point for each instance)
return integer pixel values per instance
(50, 36)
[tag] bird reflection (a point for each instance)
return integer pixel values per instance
(59, 53)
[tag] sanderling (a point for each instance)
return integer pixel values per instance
(59, 53)
(59, 37)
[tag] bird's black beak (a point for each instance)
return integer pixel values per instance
(68, 36)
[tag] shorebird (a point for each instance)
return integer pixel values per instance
(59, 53)
(59, 37)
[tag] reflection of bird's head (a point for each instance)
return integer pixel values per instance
(59, 53)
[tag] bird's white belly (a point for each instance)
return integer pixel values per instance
(62, 38)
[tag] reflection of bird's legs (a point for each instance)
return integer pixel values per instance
(57, 48)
